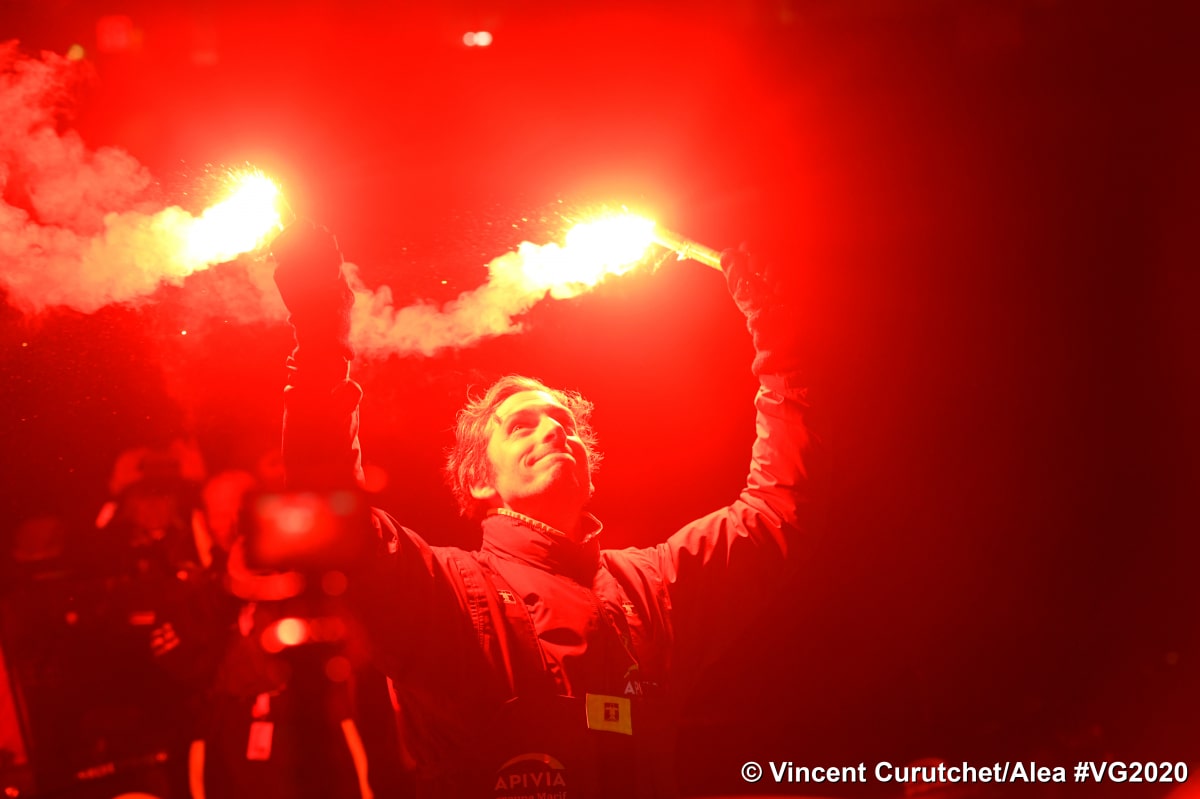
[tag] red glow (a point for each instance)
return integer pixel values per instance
(304, 527)
(295, 520)
(375, 478)
(115, 34)
(327, 629)
(334, 583)
(337, 669)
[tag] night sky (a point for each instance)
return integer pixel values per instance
(985, 211)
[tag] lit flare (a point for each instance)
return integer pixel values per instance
(595, 249)
(591, 252)
(240, 223)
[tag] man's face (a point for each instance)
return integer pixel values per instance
(536, 455)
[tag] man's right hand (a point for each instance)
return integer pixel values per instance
(309, 276)
(308, 266)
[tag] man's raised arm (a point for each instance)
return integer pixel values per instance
(722, 565)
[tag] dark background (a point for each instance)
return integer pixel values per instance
(987, 213)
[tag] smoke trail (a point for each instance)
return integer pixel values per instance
(380, 328)
(79, 228)
(516, 282)
(61, 217)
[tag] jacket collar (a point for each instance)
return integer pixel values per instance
(515, 536)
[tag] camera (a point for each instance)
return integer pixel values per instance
(307, 532)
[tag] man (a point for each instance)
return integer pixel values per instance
(542, 664)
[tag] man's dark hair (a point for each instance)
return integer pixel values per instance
(467, 463)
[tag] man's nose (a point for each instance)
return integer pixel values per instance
(553, 430)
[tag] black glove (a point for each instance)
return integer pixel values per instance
(309, 276)
(771, 324)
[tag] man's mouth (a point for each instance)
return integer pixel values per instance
(552, 454)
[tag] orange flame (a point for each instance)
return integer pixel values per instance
(240, 223)
(592, 251)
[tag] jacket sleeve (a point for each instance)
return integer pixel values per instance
(320, 425)
(400, 583)
(411, 597)
(729, 563)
